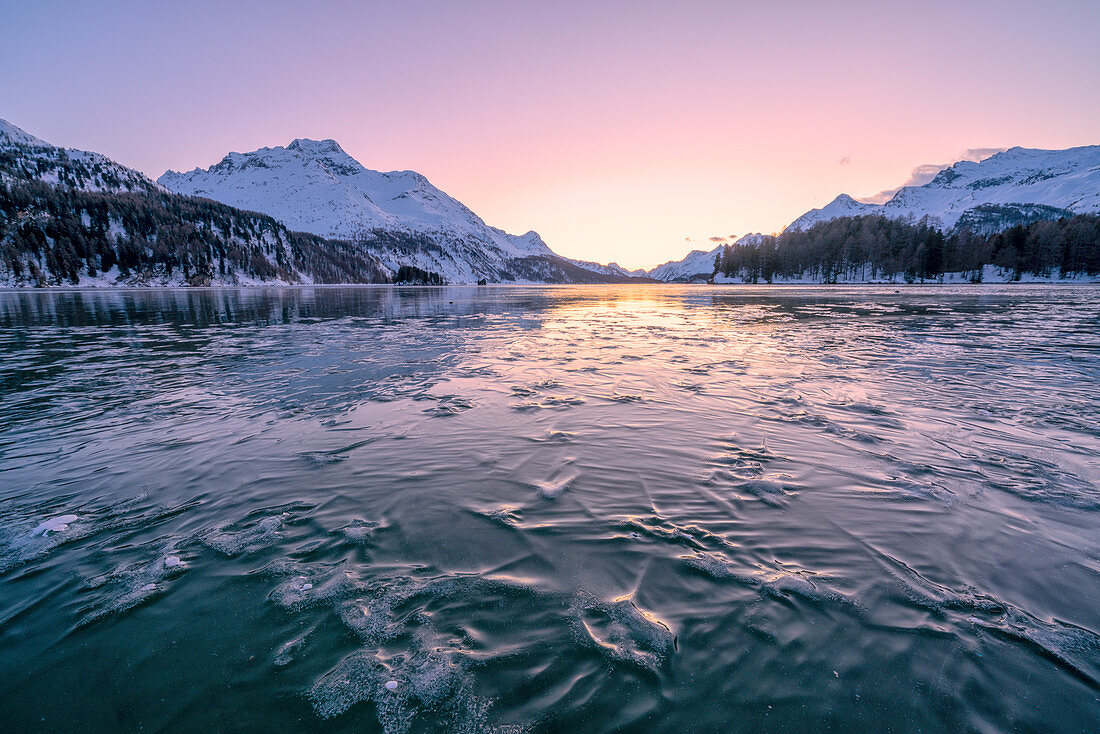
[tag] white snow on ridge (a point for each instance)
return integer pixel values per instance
(841, 206)
(314, 186)
(612, 269)
(83, 169)
(12, 135)
(987, 192)
(1065, 179)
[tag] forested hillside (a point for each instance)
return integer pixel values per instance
(69, 217)
(52, 235)
(875, 247)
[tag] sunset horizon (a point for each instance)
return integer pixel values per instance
(618, 135)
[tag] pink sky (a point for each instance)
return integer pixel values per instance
(615, 129)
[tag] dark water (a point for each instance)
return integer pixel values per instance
(640, 509)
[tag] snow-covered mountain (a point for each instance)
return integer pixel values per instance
(635, 273)
(33, 158)
(611, 270)
(76, 218)
(315, 186)
(1012, 187)
(841, 206)
(697, 264)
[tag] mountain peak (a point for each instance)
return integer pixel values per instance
(316, 186)
(307, 146)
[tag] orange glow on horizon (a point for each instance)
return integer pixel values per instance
(614, 130)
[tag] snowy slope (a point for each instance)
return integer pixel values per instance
(12, 135)
(33, 158)
(841, 206)
(315, 186)
(1004, 189)
(697, 264)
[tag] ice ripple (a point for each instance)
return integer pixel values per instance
(260, 529)
(130, 584)
(621, 631)
(433, 670)
(25, 536)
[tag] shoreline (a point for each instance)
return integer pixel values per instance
(733, 286)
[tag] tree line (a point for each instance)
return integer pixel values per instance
(875, 247)
(412, 275)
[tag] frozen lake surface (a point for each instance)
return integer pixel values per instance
(556, 509)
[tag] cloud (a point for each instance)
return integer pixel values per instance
(924, 173)
(980, 154)
(717, 239)
(845, 161)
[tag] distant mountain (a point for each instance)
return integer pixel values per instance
(841, 206)
(697, 264)
(1016, 186)
(315, 186)
(635, 273)
(70, 217)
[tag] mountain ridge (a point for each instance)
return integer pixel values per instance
(316, 186)
(400, 219)
(1065, 180)
(72, 217)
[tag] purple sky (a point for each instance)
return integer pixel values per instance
(615, 129)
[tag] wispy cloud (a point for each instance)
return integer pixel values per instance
(924, 173)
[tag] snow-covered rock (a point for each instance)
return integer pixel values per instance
(1014, 186)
